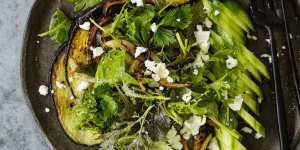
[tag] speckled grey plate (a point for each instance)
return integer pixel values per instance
(38, 53)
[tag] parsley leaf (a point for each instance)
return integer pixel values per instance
(163, 37)
(59, 27)
(138, 23)
(180, 17)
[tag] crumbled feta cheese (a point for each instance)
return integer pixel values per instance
(237, 103)
(201, 36)
(216, 13)
(153, 27)
(254, 38)
(231, 62)
(178, 20)
(187, 96)
(52, 91)
(161, 88)
(246, 130)
(268, 41)
(283, 47)
(208, 23)
(43, 90)
(169, 79)
(60, 85)
(83, 85)
(47, 110)
(174, 139)
(139, 51)
(195, 72)
(85, 26)
(70, 79)
(213, 144)
(137, 2)
(97, 51)
(72, 97)
(258, 136)
(192, 125)
(159, 70)
(267, 56)
(291, 36)
(37, 42)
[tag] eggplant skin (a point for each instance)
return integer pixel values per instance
(63, 102)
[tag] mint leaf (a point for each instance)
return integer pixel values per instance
(180, 17)
(59, 27)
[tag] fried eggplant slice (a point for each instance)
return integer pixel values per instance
(62, 97)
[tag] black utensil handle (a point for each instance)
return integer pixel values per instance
(279, 101)
(292, 60)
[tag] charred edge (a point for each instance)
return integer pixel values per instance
(79, 19)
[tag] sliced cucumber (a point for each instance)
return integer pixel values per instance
(227, 141)
(232, 132)
(252, 122)
(254, 61)
(240, 13)
(249, 67)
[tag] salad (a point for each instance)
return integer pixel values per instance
(156, 75)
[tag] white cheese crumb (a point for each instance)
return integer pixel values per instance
(178, 20)
(47, 110)
(139, 51)
(70, 79)
(258, 136)
(153, 27)
(192, 125)
(253, 37)
(208, 23)
(216, 13)
(161, 88)
(159, 70)
(97, 51)
(60, 85)
(169, 79)
(85, 26)
(37, 42)
(213, 144)
(147, 72)
(52, 91)
(174, 139)
(195, 72)
(291, 36)
(247, 130)
(237, 103)
(137, 2)
(267, 56)
(43, 90)
(83, 85)
(72, 97)
(268, 41)
(231, 62)
(187, 96)
(283, 47)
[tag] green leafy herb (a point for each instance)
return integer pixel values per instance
(112, 69)
(84, 4)
(163, 37)
(59, 27)
(89, 69)
(180, 17)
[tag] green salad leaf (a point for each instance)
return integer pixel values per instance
(59, 27)
(112, 69)
(180, 17)
(163, 37)
(84, 4)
